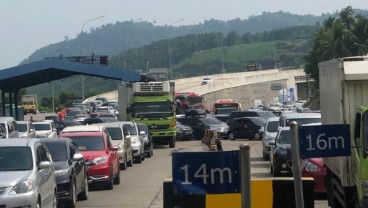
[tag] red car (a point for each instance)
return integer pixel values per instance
(313, 167)
(99, 153)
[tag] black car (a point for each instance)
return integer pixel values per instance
(246, 127)
(60, 125)
(249, 113)
(183, 132)
(70, 170)
(222, 117)
(280, 156)
(146, 135)
(199, 121)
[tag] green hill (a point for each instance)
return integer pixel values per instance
(283, 54)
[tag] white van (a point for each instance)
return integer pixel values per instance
(9, 125)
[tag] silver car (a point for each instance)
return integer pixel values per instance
(27, 174)
(136, 140)
(269, 133)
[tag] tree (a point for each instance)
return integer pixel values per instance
(336, 40)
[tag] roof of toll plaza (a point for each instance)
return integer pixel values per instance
(48, 70)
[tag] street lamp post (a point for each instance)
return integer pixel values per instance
(81, 46)
(132, 21)
(170, 47)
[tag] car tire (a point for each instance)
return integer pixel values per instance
(264, 155)
(110, 183)
(138, 159)
(124, 164)
(271, 169)
(38, 205)
(143, 155)
(150, 153)
(172, 142)
(257, 136)
(276, 172)
(130, 162)
(117, 177)
(231, 136)
(73, 194)
(54, 200)
(84, 194)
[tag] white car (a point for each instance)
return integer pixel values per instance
(45, 129)
(207, 80)
(136, 140)
(25, 129)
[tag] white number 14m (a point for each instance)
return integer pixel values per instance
(215, 173)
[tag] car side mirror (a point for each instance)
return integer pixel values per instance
(77, 157)
(272, 143)
(44, 165)
(261, 130)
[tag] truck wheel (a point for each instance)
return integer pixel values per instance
(172, 142)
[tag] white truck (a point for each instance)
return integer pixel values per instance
(344, 100)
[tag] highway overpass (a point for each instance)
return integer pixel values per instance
(244, 87)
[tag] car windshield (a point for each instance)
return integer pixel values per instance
(142, 127)
(89, 143)
(210, 120)
(73, 113)
(259, 121)
(152, 109)
(15, 158)
(206, 78)
(266, 114)
(284, 137)
(272, 126)
(115, 133)
(22, 127)
(57, 150)
(42, 127)
(222, 118)
(131, 129)
(302, 121)
(222, 108)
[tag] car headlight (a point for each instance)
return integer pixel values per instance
(310, 167)
(22, 187)
(99, 160)
(61, 172)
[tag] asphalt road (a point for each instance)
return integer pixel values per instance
(141, 185)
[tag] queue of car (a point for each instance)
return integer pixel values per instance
(59, 170)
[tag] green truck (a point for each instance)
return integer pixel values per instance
(151, 103)
(344, 100)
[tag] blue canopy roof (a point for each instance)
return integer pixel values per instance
(47, 70)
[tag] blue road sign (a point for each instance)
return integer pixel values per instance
(324, 141)
(205, 172)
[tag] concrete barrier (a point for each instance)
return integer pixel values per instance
(265, 193)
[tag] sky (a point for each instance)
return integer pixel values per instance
(27, 25)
